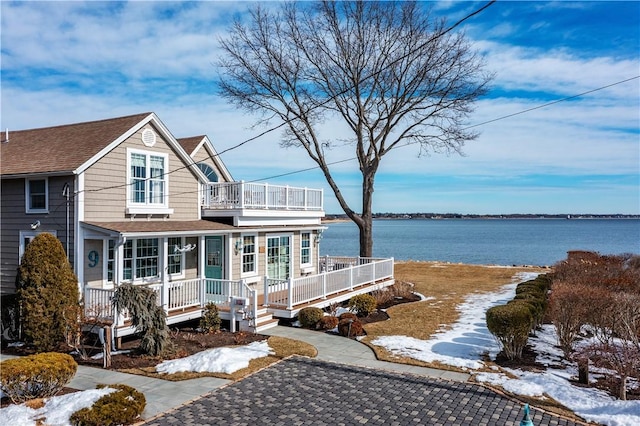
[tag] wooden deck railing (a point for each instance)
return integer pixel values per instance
(339, 274)
(179, 296)
(243, 195)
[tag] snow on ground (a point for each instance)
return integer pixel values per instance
(58, 409)
(467, 340)
(218, 360)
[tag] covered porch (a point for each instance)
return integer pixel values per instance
(241, 303)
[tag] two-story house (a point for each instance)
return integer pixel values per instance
(132, 204)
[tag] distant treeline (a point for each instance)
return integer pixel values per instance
(487, 216)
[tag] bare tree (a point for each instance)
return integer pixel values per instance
(390, 71)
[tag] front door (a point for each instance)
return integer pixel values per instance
(279, 257)
(214, 257)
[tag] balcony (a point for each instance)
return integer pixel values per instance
(261, 200)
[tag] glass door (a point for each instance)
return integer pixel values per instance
(279, 257)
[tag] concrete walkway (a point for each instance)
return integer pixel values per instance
(339, 349)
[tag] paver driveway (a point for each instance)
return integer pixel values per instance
(302, 391)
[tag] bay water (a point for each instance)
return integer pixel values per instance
(540, 242)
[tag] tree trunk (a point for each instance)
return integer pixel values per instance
(366, 223)
(623, 388)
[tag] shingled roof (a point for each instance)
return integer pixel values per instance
(61, 148)
(189, 144)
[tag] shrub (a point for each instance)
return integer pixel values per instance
(310, 316)
(402, 289)
(510, 324)
(36, 376)
(328, 322)
(363, 304)
(347, 315)
(382, 296)
(146, 316)
(46, 287)
(122, 407)
(210, 320)
(349, 327)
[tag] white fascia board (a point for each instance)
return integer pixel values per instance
(206, 142)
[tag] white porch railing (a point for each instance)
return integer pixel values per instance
(242, 195)
(339, 274)
(180, 295)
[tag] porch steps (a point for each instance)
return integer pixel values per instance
(264, 321)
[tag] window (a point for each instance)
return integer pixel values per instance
(208, 171)
(111, 257)
(278, 257)
(140, 259)
(176, 258)
(147, 179)
(305, 248)
(37, 195)
(249, 265)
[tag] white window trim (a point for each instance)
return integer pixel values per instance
(134, 279)
(170, 253)
(31, 235)
(292, 260)
(310, 262)
(146, 207)
(27, 196)
(256, 257)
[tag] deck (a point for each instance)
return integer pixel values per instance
(341, 279)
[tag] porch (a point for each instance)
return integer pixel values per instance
(340, 279)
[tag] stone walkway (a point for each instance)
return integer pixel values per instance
(302, 391)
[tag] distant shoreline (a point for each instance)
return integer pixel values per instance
(423, 216)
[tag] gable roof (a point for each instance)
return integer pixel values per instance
(193, 144)
(61, 149)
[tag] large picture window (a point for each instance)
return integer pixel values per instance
(249, 264)
(140, 259)
(147, 179)
(37, 195)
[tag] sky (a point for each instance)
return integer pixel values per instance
(463, 345)
(68, 62)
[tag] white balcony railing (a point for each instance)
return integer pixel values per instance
(243, 195)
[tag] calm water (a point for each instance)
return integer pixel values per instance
(487, 241)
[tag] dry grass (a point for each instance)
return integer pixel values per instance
(282, 347)
(448, 285)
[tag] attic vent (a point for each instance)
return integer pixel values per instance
(148, 137)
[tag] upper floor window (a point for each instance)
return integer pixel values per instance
(148, 181)
(208, 171)
(37, 195)
(305, 248)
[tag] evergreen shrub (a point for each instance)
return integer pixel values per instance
(363, 304)
(310, 316)
(511, 324)
(36, 376)
(349, 327)
(210, 320)
(122, 407)
(46, 288)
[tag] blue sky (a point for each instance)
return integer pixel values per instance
(66, 62)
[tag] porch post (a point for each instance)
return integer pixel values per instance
(324, 284)
(164, 300)
(241, 195)
(290, 293)
(350, 277)
(201, 270)
(266, 291)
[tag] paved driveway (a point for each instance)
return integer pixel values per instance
(302, 391)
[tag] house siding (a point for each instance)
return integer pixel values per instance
(106, 188)
(15, 220)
